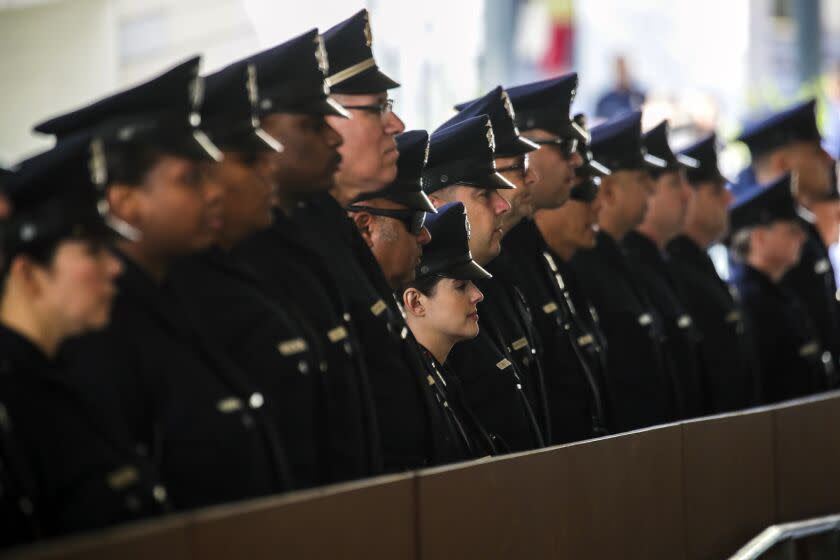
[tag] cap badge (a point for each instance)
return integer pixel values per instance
(367, 32)
(491, 139)
(321, 55)
(97, 164)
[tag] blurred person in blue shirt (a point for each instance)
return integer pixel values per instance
(624, 96)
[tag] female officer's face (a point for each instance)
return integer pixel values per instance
(76, 288)
(451, 310)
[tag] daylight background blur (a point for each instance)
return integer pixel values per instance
(704, 65)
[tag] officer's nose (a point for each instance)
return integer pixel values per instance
(334, 139)
(531, 176)
(475, 294)
(113, 265)
(576, 160)
(500, 205)
(393, 123)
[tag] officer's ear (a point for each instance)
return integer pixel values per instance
(413, 302)
(366, 226)
(124, 202)
(27, 275)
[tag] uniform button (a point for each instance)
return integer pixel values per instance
(132, 503)
(303, 367)
(256, 400)
(323, 366)
(526, 360)
(159, 493)
(247, 420)
(518, 387)
(348, 348)
(346, 317)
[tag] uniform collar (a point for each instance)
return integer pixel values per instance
(18, 352)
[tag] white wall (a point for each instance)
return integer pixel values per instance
(55, 57)
(674, 47)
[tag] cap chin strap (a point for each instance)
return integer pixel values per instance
(349, 72)
(119, 225)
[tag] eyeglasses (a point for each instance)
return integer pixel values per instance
(383, 108)
(567, 146)
(523, 166)
(413, 220)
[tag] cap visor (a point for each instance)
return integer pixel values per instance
(518, 147)
(655, 163)
(326, 106)
(469, 270)
(597, 169)
(194, 144)
(413, 201)
(371, 80)
(497, 181)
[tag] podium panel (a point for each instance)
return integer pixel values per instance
(371, 519)
(808, 457)
(512, 507)
(164, 539)
(729, 476)
(639, 472)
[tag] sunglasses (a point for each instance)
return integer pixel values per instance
(523, 166)
(381, 109)
(567, 146)
(413, 220)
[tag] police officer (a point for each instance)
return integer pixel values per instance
(368, 163)
(566, 229)
(391, 222)
(336, 424)
(768, 237)
(505, 310)
(789, 141)
(63, 467)
(440, 306)
(645, 248)
(225, 300)
(639, 390)
(185, 405)
(728, 348)
(462, 169)
(569, 353)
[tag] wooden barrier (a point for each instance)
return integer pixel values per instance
(696, 490)
(807, 436)
(729, 481)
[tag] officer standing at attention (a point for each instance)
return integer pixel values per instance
(505, 310)
(63, 468)
(186, 407)
(462, 169)
(645, 249)
(335, 435)
(768, 236)
(441, 311)
(638, 387)
(223, 297)
(569, 357)
(566, 230)
(789, 141)
(369, 163)
(391, 222)
(728, 348)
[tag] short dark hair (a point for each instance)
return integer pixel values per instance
(426, 285)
